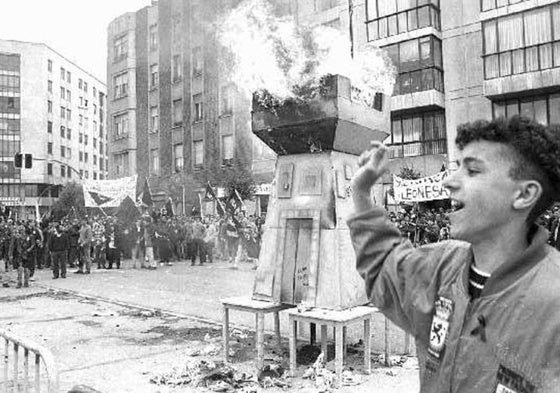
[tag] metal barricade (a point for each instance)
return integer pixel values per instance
(28, 367)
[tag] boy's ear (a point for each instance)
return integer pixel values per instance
(528, 194)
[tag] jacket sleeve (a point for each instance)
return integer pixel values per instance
(402, 281)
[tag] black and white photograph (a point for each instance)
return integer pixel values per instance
(252, 196)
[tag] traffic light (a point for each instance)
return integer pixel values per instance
(28, 160)
(18, 160)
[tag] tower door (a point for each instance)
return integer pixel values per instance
(297, 255)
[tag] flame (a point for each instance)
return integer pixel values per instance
(271, 53)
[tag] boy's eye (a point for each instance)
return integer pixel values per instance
(472, 171)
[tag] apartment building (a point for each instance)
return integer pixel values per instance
(457, 61)
(55, 110)
(173, 116)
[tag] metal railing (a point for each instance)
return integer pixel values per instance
(21, 376)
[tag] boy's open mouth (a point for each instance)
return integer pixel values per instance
(456, 205)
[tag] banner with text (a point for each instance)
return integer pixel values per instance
(420, 190)
(109, 193)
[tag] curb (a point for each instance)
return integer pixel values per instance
(152, 309)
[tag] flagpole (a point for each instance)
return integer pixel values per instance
(184, 205)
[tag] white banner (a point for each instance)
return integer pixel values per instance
(109, 193)
(424, 189)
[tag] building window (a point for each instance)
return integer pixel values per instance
(177, 68)
(154, 118)
(62, 171)
(68, 96)
(49, 127)
(86, 157)
(49, 169)
(81, 156)
(197, 61)
(62, 131)
(68, 152)
(323, 5)
(198, 109)
(94, 126)
(80, 83)
(94, 159)
(95, 143)
(121, 125)
(49, 86)
(49, 148)
(523, 42)
(121, 164)
(94, 92)
(154, 73)
(87, 174)
(154, 161)
(49, 65)
(81, 173)
(492, 4)
(100, 147)
(68, 133)
(63, 151)
(153, 37)
(178, 157)
(198, 147)
(81, 138)
(419, 65)
(80, 120)
(62, 93)
(227, 149)
(85, 139)
(62, 112)
(120, 84)
(120, 48)
(417, 135)
(69, 114)
(62, 73)
(49, 106)
(226, 100)
(386, 18)
(544, 109)
(85, 89)
(68, 77)
(177, 113)
(101, 163)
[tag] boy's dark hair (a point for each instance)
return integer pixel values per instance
(536, 152)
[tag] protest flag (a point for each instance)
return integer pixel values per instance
(169, 207)
(210, 194)
(235, 201)
(127, 212)
(145, 195)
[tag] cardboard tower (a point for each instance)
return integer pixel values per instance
(306, 254)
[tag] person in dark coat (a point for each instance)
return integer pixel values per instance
(59, 244)
(113, 245)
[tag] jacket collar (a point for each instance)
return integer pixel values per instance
(511, 271)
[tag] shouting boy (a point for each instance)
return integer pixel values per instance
(484, 308)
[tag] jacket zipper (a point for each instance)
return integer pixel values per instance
(466, 317)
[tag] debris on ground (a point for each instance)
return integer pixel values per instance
(238, 334)
(103, 313)
(272, 375)
(216, 376)
(394, 360)
(324, 378)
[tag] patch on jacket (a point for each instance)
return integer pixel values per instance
(440, 326)
(509, 381)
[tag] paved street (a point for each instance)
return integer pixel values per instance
(110, 352)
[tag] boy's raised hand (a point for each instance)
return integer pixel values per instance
(372, 164)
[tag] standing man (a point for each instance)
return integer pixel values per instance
(199, 232)
(484, 308)
(59, 246)
(84, 244)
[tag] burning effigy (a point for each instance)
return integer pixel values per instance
(317, 107)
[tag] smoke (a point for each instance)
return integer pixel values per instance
(267, 52)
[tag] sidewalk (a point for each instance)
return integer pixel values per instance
(182, 290)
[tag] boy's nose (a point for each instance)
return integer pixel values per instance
(451, 182)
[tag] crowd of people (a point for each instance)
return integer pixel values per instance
(424, 226)
(102, 242)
